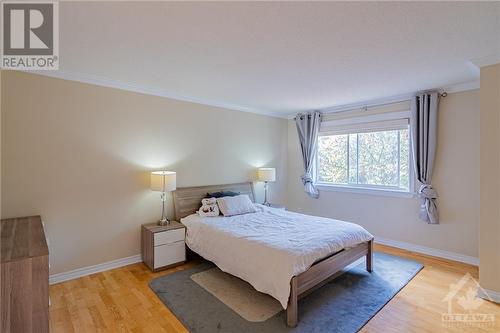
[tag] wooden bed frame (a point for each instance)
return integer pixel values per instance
(187, 201)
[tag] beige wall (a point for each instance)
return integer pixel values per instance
(79, 154)
(0, 140)
(489, 248)
(456, 178)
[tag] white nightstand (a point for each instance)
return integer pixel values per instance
(163, 246)
(277, 206)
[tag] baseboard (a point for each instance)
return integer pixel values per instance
(429, 251)
(84, 271)
(489, 295)
(74, 274)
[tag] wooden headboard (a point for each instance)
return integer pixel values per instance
(187, 200)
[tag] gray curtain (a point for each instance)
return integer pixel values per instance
(423, 122)
(308, 129)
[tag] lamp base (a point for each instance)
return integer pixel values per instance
(164, 221)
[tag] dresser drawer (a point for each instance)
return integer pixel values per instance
(168, 237)
(169, 254)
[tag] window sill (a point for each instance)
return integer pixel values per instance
(365, 190)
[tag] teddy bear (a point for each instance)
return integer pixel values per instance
(208, 207)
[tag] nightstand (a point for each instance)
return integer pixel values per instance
(163, 246)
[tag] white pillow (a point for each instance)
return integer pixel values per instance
(240, 204)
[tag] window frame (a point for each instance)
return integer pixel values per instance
(366, 188)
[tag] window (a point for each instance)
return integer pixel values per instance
(374, 155)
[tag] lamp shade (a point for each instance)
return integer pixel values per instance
(266, 174)
(163, 181)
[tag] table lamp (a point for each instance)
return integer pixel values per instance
(266, 175)
(163, 181)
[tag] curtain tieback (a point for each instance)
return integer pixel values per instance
(306, 178)
(427, 192)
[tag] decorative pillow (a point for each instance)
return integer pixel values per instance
(221, 194)
(237, 205)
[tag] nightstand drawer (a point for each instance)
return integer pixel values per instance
(163, 245)
(168, 237)
(169, 254)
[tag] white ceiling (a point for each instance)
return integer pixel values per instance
(277, 57)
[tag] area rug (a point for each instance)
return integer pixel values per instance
(238, 295)
(343, 305)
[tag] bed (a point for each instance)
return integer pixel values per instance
(280, 253)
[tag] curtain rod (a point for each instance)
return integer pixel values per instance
(375, 103)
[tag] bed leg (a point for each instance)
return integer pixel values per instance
(369, 257)
(291, 310)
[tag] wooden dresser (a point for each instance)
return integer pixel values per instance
(25, 276)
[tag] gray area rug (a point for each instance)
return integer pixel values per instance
(343, 305)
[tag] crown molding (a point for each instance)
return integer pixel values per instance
(454, 88)
(460, 87)
(491, 59)
(133, 87)
(109, 83)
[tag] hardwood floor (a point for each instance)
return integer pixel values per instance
(120, 301)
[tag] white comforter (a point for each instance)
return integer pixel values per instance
(269, 247)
